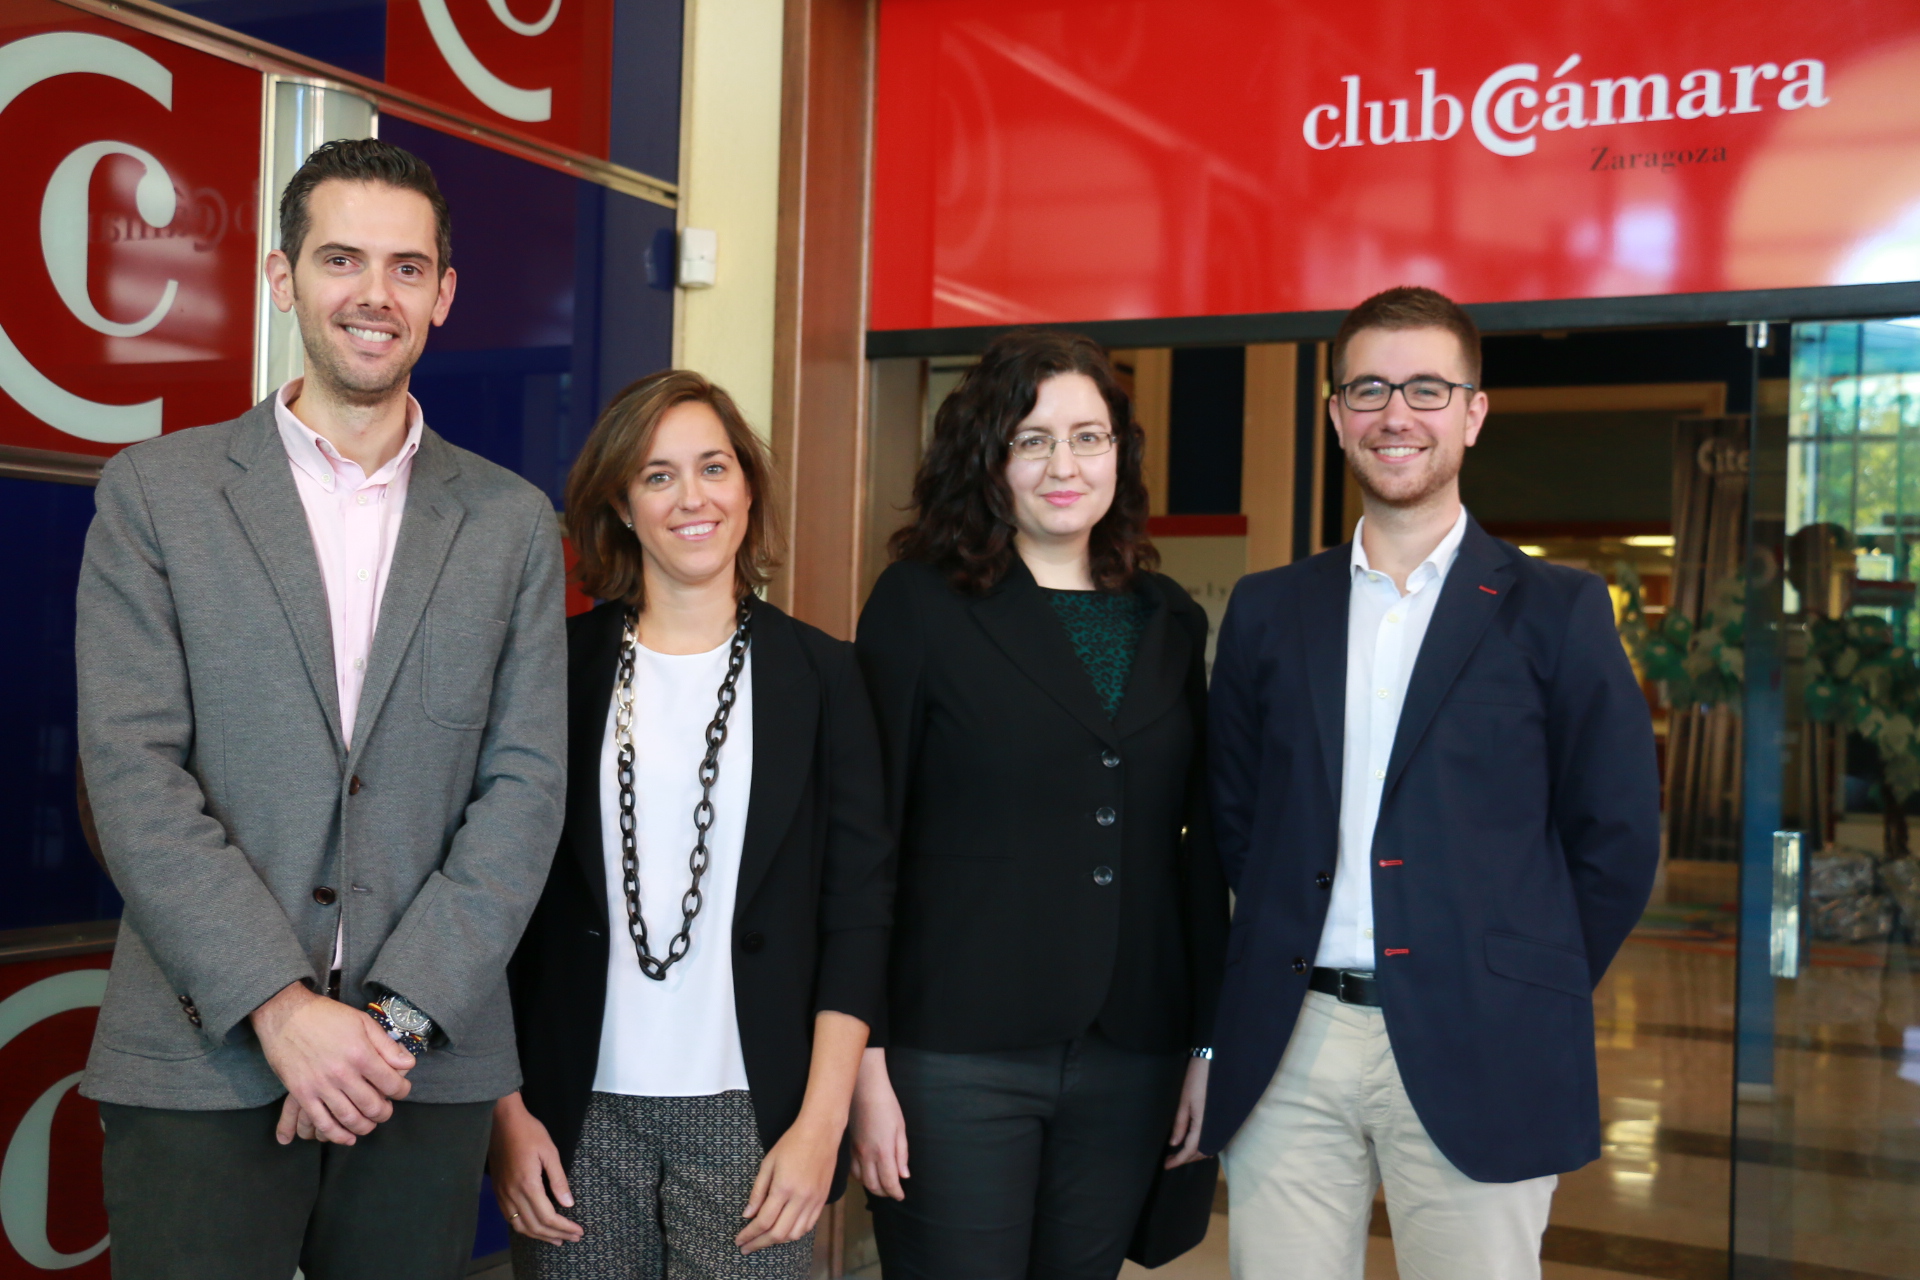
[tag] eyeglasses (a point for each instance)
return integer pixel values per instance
(1038, 446)
(1364, 395)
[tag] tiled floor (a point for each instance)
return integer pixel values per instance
(1841, 1140)
(1831, 1166)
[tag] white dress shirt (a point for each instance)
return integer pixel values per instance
(1384, 631)
(679, 1037)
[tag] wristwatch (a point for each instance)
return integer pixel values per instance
(404, 1024)
(1204, 1053)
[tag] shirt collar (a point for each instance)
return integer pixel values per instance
(1438, 561)
(310, 451)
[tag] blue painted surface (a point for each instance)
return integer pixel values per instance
(645, 108)
(350, 34)
(553, 310)
(635, 330)
(50, 876)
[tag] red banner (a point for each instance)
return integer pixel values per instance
(1087, 160)
(543, 67)
(131, 194)
(51, 1208)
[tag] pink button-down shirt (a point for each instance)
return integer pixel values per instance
(355, 520)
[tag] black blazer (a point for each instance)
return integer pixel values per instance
(1518, 836)
(1014, 795)
(816, 878)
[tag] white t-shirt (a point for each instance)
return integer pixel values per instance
(678, 1037)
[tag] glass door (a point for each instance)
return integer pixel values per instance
(1826, 1173)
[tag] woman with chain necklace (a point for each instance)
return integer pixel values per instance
(695, 988)
(1061, 921)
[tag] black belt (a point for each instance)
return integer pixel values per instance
(1352, 986)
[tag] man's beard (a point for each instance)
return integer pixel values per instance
(344, 382)
(1440, 472)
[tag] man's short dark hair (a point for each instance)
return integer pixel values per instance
(362, 160)
(1409, 307)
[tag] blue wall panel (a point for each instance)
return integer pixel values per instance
(350, 34)
(645, 110)
(48, 873)
(562, 299)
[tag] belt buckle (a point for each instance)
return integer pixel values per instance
(1354, 982)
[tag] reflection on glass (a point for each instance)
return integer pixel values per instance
(1839, 1139)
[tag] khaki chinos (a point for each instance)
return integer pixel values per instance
(1335, 1124)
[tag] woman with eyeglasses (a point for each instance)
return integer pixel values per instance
(1061, 916)
(694, 989)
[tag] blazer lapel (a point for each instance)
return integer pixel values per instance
(1323, 636)
(595, 667)
(1019, 620)
(1159, 677)
(1475, 588)
(427, 529)
(786, 711)
(269, 509)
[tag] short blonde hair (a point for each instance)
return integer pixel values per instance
(610, 563)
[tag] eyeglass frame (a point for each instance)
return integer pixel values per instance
(1113, 440)
(1401, 387)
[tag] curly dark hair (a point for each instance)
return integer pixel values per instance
(963, 510)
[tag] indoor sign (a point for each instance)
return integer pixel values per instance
(132, 191)
(1096, 160)
(540, 67)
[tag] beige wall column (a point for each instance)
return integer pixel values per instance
(1267, 454)
(730, 184)
(1152, 371)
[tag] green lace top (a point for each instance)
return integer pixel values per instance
(1105, 629)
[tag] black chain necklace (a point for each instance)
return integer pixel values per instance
(691, 901)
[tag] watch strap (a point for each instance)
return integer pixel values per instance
(412, 1041)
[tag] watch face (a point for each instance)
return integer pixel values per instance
(406, 1018)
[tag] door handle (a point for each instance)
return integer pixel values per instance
(1784, 948)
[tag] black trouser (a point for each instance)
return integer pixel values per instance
(209, 1195)
(1026, 1163)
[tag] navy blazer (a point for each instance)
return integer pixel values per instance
(1518, 837)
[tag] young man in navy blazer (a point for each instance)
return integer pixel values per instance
(1435, 795)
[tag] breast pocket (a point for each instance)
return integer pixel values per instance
(461, 653)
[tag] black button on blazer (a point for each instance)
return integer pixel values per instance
(1056, 867)
(816, 878)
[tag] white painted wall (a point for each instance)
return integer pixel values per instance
(730, 184)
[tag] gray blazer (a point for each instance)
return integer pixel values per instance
(237, 825)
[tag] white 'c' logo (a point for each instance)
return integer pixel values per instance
(63, 229)
(528, 105)
(23, 1173)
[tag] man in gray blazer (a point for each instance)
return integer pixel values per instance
(322, 719)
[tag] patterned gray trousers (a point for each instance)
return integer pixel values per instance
(659, 1185)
